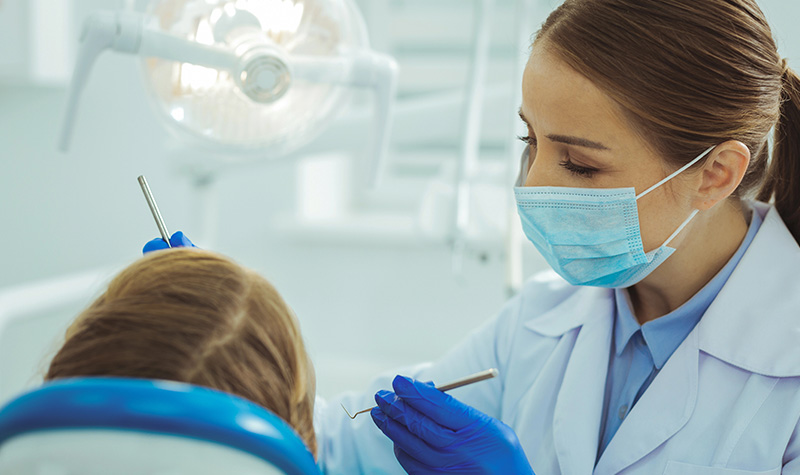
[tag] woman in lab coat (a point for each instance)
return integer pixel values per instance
(668, 338)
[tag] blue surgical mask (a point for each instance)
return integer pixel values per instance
(591, 236)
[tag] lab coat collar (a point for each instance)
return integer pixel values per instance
(754, 323)
(578, 410)
(625, 324)
(579, 406)
(663, 410)
(572, 312)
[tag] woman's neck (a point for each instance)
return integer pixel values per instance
(710, 242)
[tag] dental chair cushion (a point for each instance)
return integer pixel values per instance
(122, 425)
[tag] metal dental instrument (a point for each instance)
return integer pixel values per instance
(151, 202)
(473, 378)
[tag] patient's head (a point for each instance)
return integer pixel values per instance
(195, 316)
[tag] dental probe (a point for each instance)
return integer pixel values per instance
(151, 202)
(474, 378)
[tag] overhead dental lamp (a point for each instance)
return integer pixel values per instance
(262, 76)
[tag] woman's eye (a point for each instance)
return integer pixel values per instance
(528, 140)
(566, 163)
(577, 169)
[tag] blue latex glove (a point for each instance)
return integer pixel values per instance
(176, 240)
(434, 433)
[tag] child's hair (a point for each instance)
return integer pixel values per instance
(194, 316)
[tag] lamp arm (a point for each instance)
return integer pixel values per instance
(160, 44)
(367, 69)
(99, 33)
(385, 85)
(126, 32)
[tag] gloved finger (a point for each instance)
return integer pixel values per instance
(416, 422)
(412, 465)
(405, 440)
(441, 407)
(154, 245)
(179, 239)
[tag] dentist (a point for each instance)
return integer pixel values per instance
(667, 341)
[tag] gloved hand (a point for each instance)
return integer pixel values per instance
(176, 240)
(434, 433)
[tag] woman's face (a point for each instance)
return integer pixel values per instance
(579, 138)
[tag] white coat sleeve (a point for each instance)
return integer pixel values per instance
(357, 446)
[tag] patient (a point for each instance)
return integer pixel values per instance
(194, 316)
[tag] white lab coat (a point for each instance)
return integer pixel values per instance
(726, 402)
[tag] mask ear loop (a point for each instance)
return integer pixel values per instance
(670, 177)
(677, 172)
(680, 228)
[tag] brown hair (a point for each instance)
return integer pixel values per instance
(690, 74)
(195, 316)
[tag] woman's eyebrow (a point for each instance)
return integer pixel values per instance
(580, 142)
(569, 140)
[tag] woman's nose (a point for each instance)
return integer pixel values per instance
(538, 172)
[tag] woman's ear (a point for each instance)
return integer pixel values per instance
(723, 171)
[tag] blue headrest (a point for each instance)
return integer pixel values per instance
(162, 407)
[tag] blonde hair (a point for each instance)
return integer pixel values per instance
(194, 316)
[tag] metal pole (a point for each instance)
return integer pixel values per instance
(151, 202)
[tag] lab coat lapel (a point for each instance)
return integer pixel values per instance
(579, 407)
(753, 322)
(661, 412)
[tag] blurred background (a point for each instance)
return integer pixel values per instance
(379, 279)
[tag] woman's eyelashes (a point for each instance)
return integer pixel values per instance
(577, 169)
(567, 164)
(528, 140)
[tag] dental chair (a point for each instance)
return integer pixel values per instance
(122, 426)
